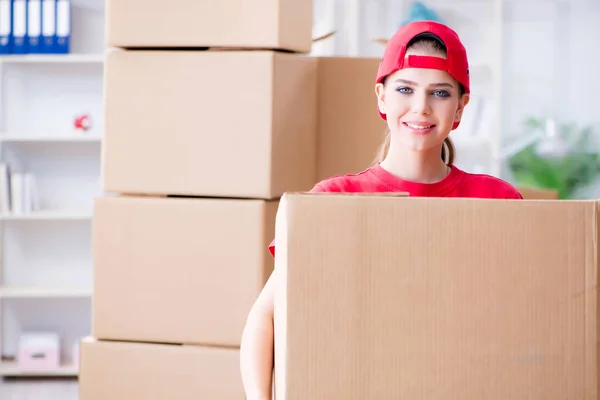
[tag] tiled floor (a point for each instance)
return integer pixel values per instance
(31, 389)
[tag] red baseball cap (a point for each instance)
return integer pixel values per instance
(394, 55)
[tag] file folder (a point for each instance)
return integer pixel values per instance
(63, 26)
(34, 26)
(5, 26)
(19, 25)
(48, 26)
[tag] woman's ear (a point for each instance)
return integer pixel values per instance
(464, 100)
(380, 93)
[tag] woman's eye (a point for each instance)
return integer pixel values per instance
(441, 93)
(404, 90)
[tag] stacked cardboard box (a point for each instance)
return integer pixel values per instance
(349, 128)
(536, 193)
(210, 117)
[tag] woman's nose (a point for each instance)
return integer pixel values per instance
(420, 104)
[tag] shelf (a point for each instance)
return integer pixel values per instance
(47, 215)
(12, 369)
(47, 253)
(37, 292)
(53, 59)
(41, 139)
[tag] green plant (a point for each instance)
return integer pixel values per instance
(565, 171)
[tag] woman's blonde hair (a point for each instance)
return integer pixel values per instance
(448, 149)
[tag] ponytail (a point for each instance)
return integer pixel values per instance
(383, 148)
(448, 150)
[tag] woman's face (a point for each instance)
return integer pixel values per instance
(421, 105)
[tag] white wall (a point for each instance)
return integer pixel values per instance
(552, 61)
(552, 66)
(580, 79)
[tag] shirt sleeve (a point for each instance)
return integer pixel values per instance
(316, 189)
(514, 193)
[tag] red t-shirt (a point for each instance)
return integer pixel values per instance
(457, 184)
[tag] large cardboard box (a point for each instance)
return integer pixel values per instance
(350, 130)
(209, 123)
(176, 270)
(266, 24)
(140, 371)
(385, 297)
(538, 194)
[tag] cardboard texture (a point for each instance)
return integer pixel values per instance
(350, 130)
(267, 24)
(175, 270)
(385, 297)
(538, 194)
(201, 125)
(137, 371)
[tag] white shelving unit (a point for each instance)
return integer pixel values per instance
(52, 59)
(46, 264)
(12, 369)
(31, 292)
(8, 138)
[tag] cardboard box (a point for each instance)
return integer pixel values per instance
(537, 194)
(176, 270)
(350, 130)
(209, 123)
(267, 24)
(386, 297)
(138, 371)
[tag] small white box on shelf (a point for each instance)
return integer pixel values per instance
(39, 351)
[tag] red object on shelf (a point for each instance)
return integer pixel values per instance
(83, 122)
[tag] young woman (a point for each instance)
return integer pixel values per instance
(422, 88)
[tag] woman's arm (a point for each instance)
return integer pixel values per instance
(256, 350)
